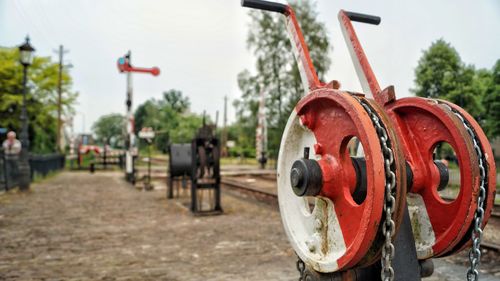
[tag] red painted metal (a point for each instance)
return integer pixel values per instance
(326, 109)
(301, 51)
(362, 62)
(322, 110)
(421, 124)
(491, 169)
(126, 67)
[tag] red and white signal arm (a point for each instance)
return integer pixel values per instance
(146, 133)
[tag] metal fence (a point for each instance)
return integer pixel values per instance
(8, 172)
(4, 183)
(41, 165)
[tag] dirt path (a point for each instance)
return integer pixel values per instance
(99, 228)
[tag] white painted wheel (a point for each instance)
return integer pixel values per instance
(304, 228)
(340, 232)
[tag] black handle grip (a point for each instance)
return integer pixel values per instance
(265, 5)
(363, 18)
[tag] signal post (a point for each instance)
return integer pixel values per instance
(125, 66)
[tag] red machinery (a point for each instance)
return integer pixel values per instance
(383, 206)
(124, 65)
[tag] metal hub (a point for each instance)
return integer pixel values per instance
(306, 178)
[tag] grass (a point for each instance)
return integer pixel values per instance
(271, 163)
(37, 178)
(238, 161)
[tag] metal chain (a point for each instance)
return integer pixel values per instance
(301, 267)
(477, 232)
(389, 227)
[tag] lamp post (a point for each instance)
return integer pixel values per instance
(26, 58)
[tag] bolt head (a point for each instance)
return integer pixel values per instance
(296, 177)
(311, 246)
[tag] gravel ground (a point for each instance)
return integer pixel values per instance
(78, 226)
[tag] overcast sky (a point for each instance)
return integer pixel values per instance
(199, 45)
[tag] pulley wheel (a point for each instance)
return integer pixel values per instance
(438, 225)
(338, 232)
(488, 161)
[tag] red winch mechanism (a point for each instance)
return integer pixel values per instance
(342, 214)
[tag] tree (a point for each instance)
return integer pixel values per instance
(188, 126)
(436, 70)
(492, 101)
(175, 100)
(41, 98)
(169, 117)
(442, 74)
(108, 129)
(148, 114)
(276, 70)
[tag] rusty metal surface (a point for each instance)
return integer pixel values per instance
(485, 144)
(417, 149)
(365, 73)
(487, 188)
(401, 185)
(421, 125)
(325, 109)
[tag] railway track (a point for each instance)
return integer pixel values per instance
(490, 246)
(272, 199)
(260, 195)
(495, 214)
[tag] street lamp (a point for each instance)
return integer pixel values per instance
(25, 58)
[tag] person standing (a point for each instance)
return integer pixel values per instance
(12, 148)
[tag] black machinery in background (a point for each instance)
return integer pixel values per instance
(200, 161)
(205, 173)
(179, 168)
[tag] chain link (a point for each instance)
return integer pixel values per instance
(477, 232)
(388, 227)
(301, 267)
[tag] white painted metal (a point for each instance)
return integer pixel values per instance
(315, 236)
(130, 127)
(298, 53)
(357, 66)
(421, 225)
(143, 134)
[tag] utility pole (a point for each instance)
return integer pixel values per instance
(61, 52)
(224, 130)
